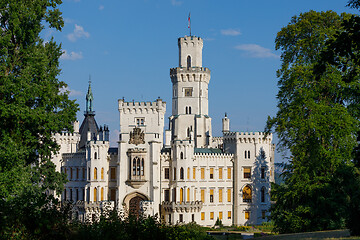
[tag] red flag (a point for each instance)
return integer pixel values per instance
(189, 21)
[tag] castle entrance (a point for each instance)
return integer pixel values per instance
(133, 202)
(134, 206)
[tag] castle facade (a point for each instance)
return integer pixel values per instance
(182, 174)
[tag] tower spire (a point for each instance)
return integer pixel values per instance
(89, 100)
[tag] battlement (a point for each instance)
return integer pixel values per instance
(248, 137)
(193, 74)
(142, 107)
(190, 39)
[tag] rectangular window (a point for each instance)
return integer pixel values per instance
(203, 195)
(229, 173)
(188, 173)
(220, 195)
(211, 215)
(229, 214)
(194, 173)
(229, 195)
(195, 195)
(202, 216)
(247, 215)
(263, 173)
(71, 173)
(263, 214)
(140, 121)
(113, 194)
(220, 216)
(167, 195)
(211, 173)
(220, 172)
(188, 194)
(112, 173)
(167, 173)
(202, 173)
(84, 173)
(174, 173)
(181, 219)
(247, 172)
(77, 173)
(211, 195)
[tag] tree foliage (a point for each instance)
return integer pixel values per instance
(317, 121)
(33, 106)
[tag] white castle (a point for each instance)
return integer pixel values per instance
(190, 176)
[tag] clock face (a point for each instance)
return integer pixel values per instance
(188, 92)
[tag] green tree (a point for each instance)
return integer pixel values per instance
(32, 103)
(315, 121)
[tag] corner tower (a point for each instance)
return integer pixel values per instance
(190, 94)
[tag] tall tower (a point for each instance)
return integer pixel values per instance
(190, 94)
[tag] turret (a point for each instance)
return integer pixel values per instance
(225, 124)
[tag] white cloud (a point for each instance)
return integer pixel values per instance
(230, 32)
(256, 51)
(79, 32)
(176, 3)
(101, 7)
(72, 92)
(71, 55)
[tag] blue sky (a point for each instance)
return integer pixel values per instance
(128, 47)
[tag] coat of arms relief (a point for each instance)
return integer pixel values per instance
(137, 136)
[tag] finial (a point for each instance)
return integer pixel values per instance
(225, 114)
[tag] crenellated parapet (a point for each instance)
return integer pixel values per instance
(247, 137)
(141, 107)
(193, 74)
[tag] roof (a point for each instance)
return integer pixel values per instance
(89, 124)
(207, 150)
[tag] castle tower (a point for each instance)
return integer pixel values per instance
(190, 94)
(225, 124)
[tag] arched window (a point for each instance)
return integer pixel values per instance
(247, 194)
(174, 173)
(186, 110)
(188, 194)
(134, 167)
(189, 110)
(245, 154)
(95, 194)
(181, 195)
(95, 155)
(138, 167)
(142, 167)
(262, 195)
(188, 132)
(188, 62)
(102, 173)
(95, 173)
(181, 155)
(248, 154)
(181, 173)
(102, 194)
(188, 173)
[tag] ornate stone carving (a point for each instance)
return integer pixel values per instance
(137, 136)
